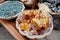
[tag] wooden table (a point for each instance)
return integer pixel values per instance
(10, 26)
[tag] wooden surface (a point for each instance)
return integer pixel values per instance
(10, 26)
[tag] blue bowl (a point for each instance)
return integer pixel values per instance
(11, 9)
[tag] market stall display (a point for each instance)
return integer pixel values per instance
(30, 23)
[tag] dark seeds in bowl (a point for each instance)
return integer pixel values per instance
(58, 6)
(53, 4)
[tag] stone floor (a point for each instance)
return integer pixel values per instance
(5, 35)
